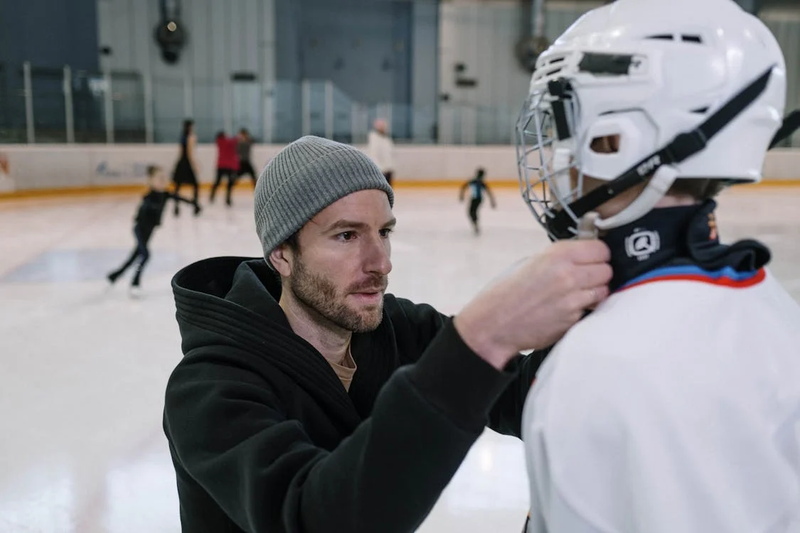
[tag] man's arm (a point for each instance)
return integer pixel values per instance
(267, 475)
(424, 322)
(529, 307)
(506, 415)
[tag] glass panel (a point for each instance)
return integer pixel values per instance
(128, 103)
(247, 109)
(12, 106)
(168, 109)
(88, 103)
(49, 109)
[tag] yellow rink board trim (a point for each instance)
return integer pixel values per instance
(400, 184)
(502, 184)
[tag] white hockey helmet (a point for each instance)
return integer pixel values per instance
(692, 89)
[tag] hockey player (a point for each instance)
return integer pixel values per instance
(674, 405)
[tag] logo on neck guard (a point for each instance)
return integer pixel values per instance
(642, 244)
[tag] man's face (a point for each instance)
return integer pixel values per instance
(340, 270)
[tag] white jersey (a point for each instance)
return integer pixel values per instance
(379, 149)
(674, 407)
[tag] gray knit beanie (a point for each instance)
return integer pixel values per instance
(303, 179)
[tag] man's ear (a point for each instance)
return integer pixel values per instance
(281, 259)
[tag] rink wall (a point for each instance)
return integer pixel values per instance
(64, 168)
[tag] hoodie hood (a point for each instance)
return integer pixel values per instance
(230, 301)
(233, 301)
(227, 307)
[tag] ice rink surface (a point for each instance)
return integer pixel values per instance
(83, 366)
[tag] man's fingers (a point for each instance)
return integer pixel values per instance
(586, 252)
(595, 275)
(594, 296)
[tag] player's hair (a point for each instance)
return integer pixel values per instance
(152, 170)
(699, 189)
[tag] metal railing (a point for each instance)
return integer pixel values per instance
(40, 105)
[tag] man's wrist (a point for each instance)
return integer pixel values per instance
(478, 336)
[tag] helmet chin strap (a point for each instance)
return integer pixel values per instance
(658, 186)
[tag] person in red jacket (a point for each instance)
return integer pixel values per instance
(227, 165)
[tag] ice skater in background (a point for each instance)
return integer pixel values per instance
(148, 217)
(186, 169)
(227, 165)
(476, 187)
(380, 148)
(243, 149)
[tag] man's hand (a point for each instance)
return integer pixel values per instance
(533, 305)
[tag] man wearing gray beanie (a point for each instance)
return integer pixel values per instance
(308, 400)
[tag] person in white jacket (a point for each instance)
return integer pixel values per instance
(675, 405)
(380, 148)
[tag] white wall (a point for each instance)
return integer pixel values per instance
(424, 69)
(224, 37)
(61, 166)
(483, 36)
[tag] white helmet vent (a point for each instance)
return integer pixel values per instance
(552, 66)
(697, 39)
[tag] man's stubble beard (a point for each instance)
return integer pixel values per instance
(320, 296)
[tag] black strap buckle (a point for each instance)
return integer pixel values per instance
(684, 146)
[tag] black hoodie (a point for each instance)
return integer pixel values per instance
(264, 437)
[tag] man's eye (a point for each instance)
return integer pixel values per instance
(347, 235)
(386, 232)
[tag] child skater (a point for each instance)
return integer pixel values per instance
(148, 217)
(476, 187)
